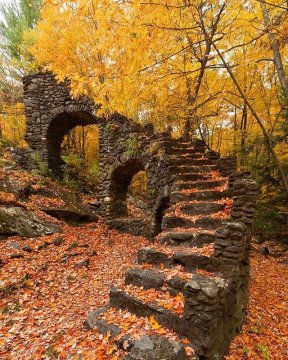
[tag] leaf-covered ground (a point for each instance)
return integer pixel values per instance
(46, 295)
(265, 332)
(48, 285)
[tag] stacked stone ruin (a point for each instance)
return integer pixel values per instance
(199, 216)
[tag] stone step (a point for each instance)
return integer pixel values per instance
(172, 222)
(192, 169)
(200, 185)
(120, 299)
(191, 177)
(197, 208)
(186, 238)
(180, 144)
(191, 161)
(187, 156)
(177, 144)
(178, 196)
(172, 280)
(168, 279)
(182, 150)
(145, 278)
(189, 260)
(125, 332)
(195, 317)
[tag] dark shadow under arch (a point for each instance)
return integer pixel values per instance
(120, 180)
(58, 128)
(159, 213)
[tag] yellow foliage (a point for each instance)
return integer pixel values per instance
(143, 59)
(12, 124)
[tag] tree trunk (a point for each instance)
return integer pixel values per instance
(256, 116)
(243, 137)
(276, 52)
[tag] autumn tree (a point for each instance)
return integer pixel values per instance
(166, 62)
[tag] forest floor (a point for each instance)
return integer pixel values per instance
(47, 290)
(43, 311)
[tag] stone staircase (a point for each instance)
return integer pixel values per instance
(192, 281)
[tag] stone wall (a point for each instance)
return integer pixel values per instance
(214, 305)
(125, 147)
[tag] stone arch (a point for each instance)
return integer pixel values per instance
(125, 147)
(121, 178)
(59, 126)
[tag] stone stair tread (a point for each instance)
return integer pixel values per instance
(187, 155)
(191, 176)
(201, 221)
(172, 146)
(206, 250)
(172, 279)
(198, 207)
(200, 195)
(181, 150)
(167, 310)
(147, 276)
(150, 303)
(206, 182)
(189, 258)
(177, 237)
(126, 329)
(188, 170)
(194, 168)
(191, 161)
(160, 297)
(200, 185)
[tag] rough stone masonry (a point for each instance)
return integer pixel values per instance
(188, 192)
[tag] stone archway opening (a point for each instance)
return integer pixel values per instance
(137, 196)
(67, 142)
(128, 191)
(80, 153)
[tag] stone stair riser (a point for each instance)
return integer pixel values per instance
(206, 223)
(200, 185)
(186, 239)
(198, 208)
(178, 196)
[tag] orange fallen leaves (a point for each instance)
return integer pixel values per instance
(7, 198)
(46, 300)
(264, 334)
(160, 297)
(189, 351)
(42, 310)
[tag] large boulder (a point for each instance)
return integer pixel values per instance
(49, 196)
(17, 221)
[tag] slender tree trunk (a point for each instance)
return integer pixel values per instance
(243, 137)
(235, 129)
(276, 52)
(203, 59)
(256, 116)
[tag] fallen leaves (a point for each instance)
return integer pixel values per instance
(7, 198)
(206, 250)
(264, 334)
(43, 308)
(45, 297)
(160, 297)
(46, 202)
